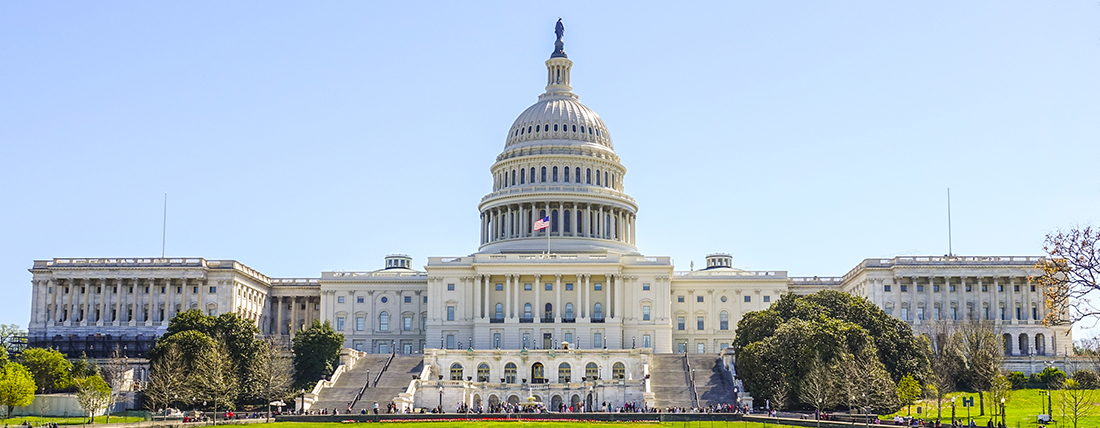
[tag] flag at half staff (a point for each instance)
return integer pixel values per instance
(542, 223)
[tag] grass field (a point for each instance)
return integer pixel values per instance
(35, 420)
(535, 424)
(1021, 410)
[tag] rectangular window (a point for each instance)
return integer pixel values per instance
(1000, 288)
(425, 299)
(408, 325)
(645, 313)
(920, 288)
(987, 313)
(699, 299)
(1003, 314)
(1034, 313)
(679, 323)
(955, 314)
(359, 299)
(500, 287)
(646, 342)
(527, 286)
(597, 340)
(905, 314)
(886, 288)
(1019, 313)
(767, 299)
(680, 299)
(496, 340)
(549, 287)
(178, 290)
(408, 299)
(569, 337)
(936, 288)
(359, 323)
(985, 288)
(598, 286)
(569, 286)
(904, 288)
(951, 288)
(698, 323)
(339, 323)
(1016, 288)
(748, 299)
(889, 311)
(968, 288)
(920, 313)
(212, 290)
(450, 287)
(645, 287)
(340, 299)
(450, 313)
(1032, 288)
(450, 341)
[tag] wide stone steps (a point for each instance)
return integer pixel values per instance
(394, 381)
(343, 392)
(713, 382)
(669, 382)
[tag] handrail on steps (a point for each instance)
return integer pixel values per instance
(376, 378)
(691, 381)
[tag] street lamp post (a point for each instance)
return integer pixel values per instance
(1002, 412)
(441, 399)
(953, 410)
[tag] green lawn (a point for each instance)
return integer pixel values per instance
(537, 424)
(35, 420)
(1021, 410)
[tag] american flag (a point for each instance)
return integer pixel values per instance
(542, 223)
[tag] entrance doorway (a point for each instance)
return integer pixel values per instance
(547, 340)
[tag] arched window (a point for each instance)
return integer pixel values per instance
(521, 131)
(555, 176)
(574, 128)
(578, 176)
(500, 311)
(564, 373)
(384, 321)
(528, 129)
(582, 129)
(538, 373)
(482, 372)
(527, 310)
(724, 320)
(513, 177)
(580, 222)
(548, 311)
(597, 177)
(555, 127)
(456, 371)
(510, 373)
(543, 175)
(565, 216)
(612, 181)
(538, 128)
(588, 176)
(591, 371)
(597, 312)
(618, 371)
(522, 176)
(565, 174)
(554, 221)
(569, 311)
(532, 175)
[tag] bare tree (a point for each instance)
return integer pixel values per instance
(984, 356)
(1076, 402)
(780, 393)
(166, 379)
(119, 375)
(272, 370)
(1001, 389)
(816, 388)
(1070, 273)
(946, 358)
(214, 379)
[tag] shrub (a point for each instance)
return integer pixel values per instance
(1087, 378)
(1053, 377)
(1018, 379)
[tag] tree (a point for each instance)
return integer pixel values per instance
(50, 369)
(947, 361)
(17, 387)
(93, 394)
(213, 379)
(1001, 390)
(194, 332)
(1070, 273)
(272, 370)
(817, 387)
(119, 376)
(316, 353)
(908, 391)
(167, 376)
(9, 335)
(1087, 379)
(983, 356)
(83, 367)
(1076, 402)
(780, 394)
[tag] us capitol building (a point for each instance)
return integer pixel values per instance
(580, 280)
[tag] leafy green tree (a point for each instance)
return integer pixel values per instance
(17, 387)
(273, 370)
(1087, 379)
(1016, 379)
(167, 378)
(213, 379)
(93, 394)
(316, 353)
(908, 391)
(83, 367)
(1053, 377)
(188, 330)
(1001, 390)
(50, 369)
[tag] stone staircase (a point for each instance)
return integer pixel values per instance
(349, 384)
(669, 382)
(394, 381)
(713, 382)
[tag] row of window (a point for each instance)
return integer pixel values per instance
(954, 315)
(384, 322)
(700, 321)
(699, 299)
(540, 128)
(549, 286)
(129, 314)
(114, 289)
(952, 288)
(384, 299)
(548, 311)
(537, 373)
(551, 175)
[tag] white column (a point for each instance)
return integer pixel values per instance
(537, 288)
(587, 224)
(587, 295)
(558, 308)
(508, 296)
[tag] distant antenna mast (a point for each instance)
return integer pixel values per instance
(949, 250)
(164, 226)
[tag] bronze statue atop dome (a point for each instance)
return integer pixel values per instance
(559, 46)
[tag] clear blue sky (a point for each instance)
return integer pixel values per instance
(301, 137)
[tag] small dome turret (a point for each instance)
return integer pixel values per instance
(719, 260)
(398, 261)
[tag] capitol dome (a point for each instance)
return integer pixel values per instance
(558, 184)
